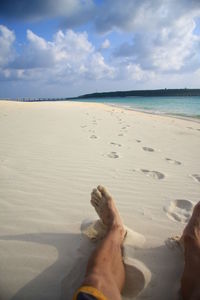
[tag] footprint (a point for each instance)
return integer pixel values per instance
(179, 210)
(196, 177)
(172, 161)
(138, 141)
(120, 134)
(83, 126)
(115, 144)
(153, 174)
(148, 149)
(93, 137)
(113, 154)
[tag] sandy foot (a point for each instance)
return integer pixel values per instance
(106, 209)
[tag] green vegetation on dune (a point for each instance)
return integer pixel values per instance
(145, 93)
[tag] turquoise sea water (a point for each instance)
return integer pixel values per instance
(180, 106)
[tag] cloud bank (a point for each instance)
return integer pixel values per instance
(162, 45)
(68, 57)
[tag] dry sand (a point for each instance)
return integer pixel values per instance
(52, 155)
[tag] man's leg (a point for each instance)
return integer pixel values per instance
(105, 270)
(190, 282)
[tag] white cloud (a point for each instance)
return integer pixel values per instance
(98, 69)
(36, 41)
(136, 15)
(135, 72)
(7, 38)
(175, 46)
(68, 57)
(105, 44)
(164, 37)
(71, 46)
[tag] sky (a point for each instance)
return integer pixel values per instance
(66, 48)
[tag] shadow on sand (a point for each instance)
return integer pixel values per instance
(63, 277)
(47, 285)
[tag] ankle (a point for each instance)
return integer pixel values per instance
(190, 242)
(118, 230)
(116, 227)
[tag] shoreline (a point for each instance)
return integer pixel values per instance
(174, 116)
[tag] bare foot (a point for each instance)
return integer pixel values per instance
(192, 229)
(106, 209)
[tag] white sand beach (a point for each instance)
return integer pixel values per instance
(52, 154)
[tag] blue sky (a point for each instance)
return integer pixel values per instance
(66, 48)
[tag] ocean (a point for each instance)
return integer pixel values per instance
(179, 106)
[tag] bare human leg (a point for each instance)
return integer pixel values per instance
(190, 282)
(105, 270)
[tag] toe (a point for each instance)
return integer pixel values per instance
(96, 199)
(97, 194)
(94, 202)
(103, 191)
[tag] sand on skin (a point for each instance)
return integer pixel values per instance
(50, 161)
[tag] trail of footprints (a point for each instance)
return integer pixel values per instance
(178, 210)
(151, 173)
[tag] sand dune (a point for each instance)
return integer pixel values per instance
(52, 155)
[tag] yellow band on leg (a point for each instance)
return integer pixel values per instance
(91, 291)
